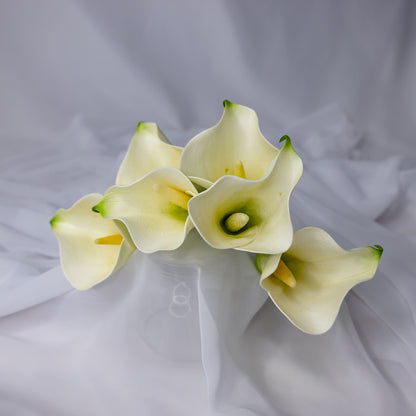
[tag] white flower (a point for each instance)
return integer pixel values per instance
(310, 280)
(250, 215)
(91, 247)
(235, 146)
(149, 149)
(152, 209)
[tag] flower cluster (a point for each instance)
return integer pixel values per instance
(233, 186)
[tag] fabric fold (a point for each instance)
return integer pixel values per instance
(194, 322)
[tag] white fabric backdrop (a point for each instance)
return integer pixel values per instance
(76, 77)
(174, 62)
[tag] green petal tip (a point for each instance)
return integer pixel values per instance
(139, 125)
(53, 221)
(95, 208)
(287, 143)
(284, 138)
(227, 103)
(379, 249)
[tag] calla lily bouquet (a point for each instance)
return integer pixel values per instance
(233, 187)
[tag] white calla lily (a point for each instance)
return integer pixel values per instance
(250, 215)
(149, 149)
(235, 146)
(152, 209)
(91, 247)
(309, 281)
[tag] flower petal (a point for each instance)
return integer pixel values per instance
(84, 262)
(149, 217)
(201, 182)
(266, 264)
(149, 149)
(214, 153)
(265, 201)
(324, 274)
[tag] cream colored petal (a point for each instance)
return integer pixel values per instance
(84, 262)
(152, 221)
(324, 274)
(124, 232)
(200, 182)
(210, 209)
(272, 199)
(265, 201)
(149, 149)
(214, 153)
(266, 264)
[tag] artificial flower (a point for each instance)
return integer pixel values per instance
(309, 281)
(149, 149)
(154, 209)
(91, 247)
(250, 215)
(235, 146)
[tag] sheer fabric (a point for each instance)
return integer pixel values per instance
(191, 331)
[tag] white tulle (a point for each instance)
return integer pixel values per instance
(190, 331)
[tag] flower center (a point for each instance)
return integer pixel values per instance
(114, 239)
(284, 274)
(177, 197)
(236, 222)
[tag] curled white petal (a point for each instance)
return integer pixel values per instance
(84, 262)
(150, 216)
(324, 274)
(266, 203)
(201, 182)
(215, 152)
(149, 149)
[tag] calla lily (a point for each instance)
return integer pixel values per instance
(250, 215)
(91, 247)
(235, 146)
(149, 149)
(153, 209)
(309, 281)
